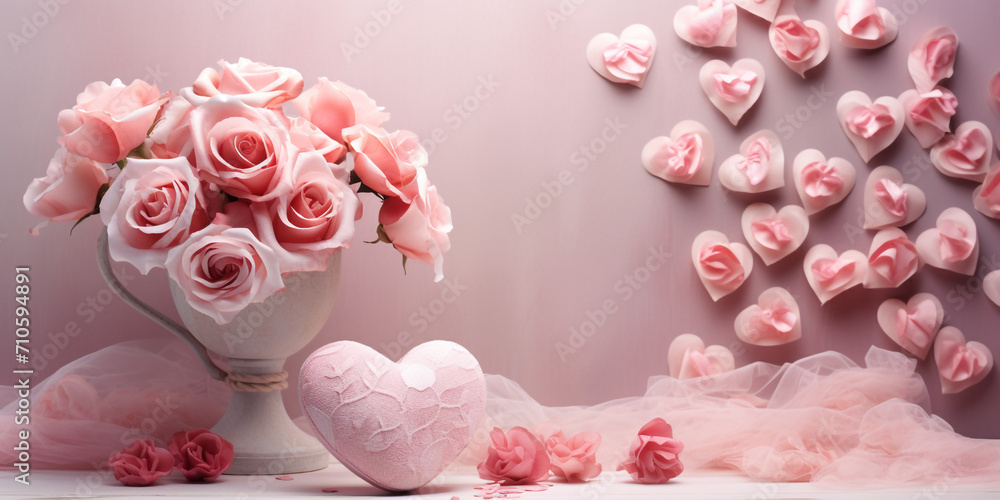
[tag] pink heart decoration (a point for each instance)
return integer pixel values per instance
(689, 358)
(774, 234)
(960, 364)
(830, 274)
(893, 259)
(993, 94)
(991, 285)
(624, 59)
(864, 25)
(914, 324)
(889, 202)
(758, 167)
(395, 425)
(821, 182)
(966, 154)
(932, 58)
(764, 9)
(801, 45)
(928, 115)
(709, 23)
(722, 266)
(871, 126)
(953, 244)
(773, 320)
(686, 157)
(733, 90)
(986, 198)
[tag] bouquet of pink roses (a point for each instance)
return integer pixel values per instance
(226, 191)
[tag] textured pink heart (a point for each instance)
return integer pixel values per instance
(928, 115)
(892, 259)
(932, 58)
(913, 324)
(395, 425)
(732, 89)
(774, 234)
(821, 182)
(689, 358)
(773, 320)
(801, 45)
(986, 198)
(960, 364)
(764, 9)
(686, 157)
(966, 154)
(991, 285)
(830, 274)
(871, 126)
(758, 167)
(889, 202)
(722, 266)
(865, 25)
(624, 59)
(709, 23)
(953, 244)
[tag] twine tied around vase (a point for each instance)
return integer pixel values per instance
(252, 382)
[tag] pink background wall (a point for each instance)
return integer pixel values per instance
(521, 291)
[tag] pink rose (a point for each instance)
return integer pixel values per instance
(222, 269)
(309, 223)
(108, 121)
(141, 463)
(795, 40)
(721, 266)
(242, 149)
(895, 260)
(332, 107)
(419, 230)
(307, 137)
(628, 60)
(70, 398)
(385, 162)
(151, 207)
(171, 136)
(69, 189)
(866, 121)
(517, 457)
(200, 454)
(253, 83)
(654, 456)
(574, 459)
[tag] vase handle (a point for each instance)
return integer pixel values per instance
(116, 286)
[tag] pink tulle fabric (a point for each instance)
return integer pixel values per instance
(89, 409)
(822, 419)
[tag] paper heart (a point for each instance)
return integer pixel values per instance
(801, 45)
(953, 244)
(993, 93)
(966, 154)
(624, 59)
(991, 285)
(689, 358)
(709, 23)
(928, 115)
(830, 274)
(960, 364)
(774, 234)
(722, 266)
(733, 90)
(686, 157)
(892, 259)
(773, 320)
(821, 182)
(889, 202)
(871, 126)
(395, 425)
(913, 324)
(758, 167)
(865, 25)
(932, 58)
(764, 9)
(986, 197)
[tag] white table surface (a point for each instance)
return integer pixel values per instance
(610, 485)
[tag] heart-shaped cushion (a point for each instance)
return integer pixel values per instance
(892, 259)
(830, 274)
(732, 89)
(758, 167)
(928, 115)
(865, 25)
(821, 182)
(932, 58)
(960, 364)
(686, 157)
(801, 45)
(722, 266)
(953, 244)
(624, 59)
(912, 324)
(966, 154)
(774, 234)
(889, 202)
(689, 358)
(395, 425)
(871, 126)
(709, 23)
(986, 198)
(773, 320)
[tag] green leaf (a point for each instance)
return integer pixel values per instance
(97, 206)
(121, 163)
(381, 236)
(404, 265)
